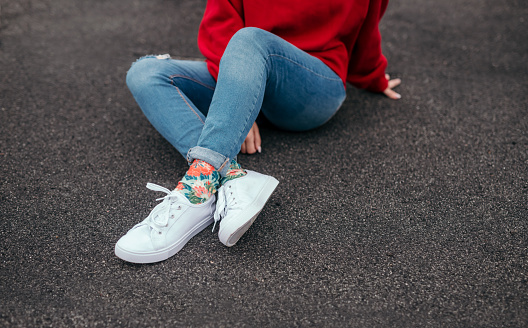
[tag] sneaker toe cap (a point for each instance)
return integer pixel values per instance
(137, 240)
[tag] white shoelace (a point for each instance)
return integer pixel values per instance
(225, 201)
(159, 216)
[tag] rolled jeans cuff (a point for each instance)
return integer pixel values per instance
(218, 161)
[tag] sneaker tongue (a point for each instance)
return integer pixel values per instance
(158, 219)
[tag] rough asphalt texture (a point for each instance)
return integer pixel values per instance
(405, 213)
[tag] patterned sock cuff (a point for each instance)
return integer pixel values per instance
(200, 182)
(235, 171)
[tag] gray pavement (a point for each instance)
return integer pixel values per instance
(404, 213)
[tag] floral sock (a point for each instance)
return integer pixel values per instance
(235, 171)
(200, 182)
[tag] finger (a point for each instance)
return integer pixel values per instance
(250, 142)
(392, 94)
(258, 140)
(387, 76)
(394, 83)
(243, 148)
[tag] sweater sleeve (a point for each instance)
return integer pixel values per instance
(366, 68)
(222, 19)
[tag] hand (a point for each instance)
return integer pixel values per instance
(392, 84)
(252, 142)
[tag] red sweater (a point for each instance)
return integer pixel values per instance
(344, 34)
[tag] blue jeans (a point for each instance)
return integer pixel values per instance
(209, 120)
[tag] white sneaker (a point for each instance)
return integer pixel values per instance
(169, 226)
(239, 202)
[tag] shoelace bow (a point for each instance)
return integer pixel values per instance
(162, 210)
(225, 201)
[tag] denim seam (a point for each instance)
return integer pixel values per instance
(188, 105)
(190, 79)
(253, 104)
(306, 68)
(223, 165)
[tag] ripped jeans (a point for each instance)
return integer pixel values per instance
(209, 120)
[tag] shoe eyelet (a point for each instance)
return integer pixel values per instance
(172, 216)
(159, 232)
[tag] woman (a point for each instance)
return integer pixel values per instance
(289, 62)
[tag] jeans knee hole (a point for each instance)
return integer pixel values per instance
(164, 56)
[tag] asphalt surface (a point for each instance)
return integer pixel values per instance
(404, 213)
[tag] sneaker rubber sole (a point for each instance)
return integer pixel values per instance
(233, 230)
